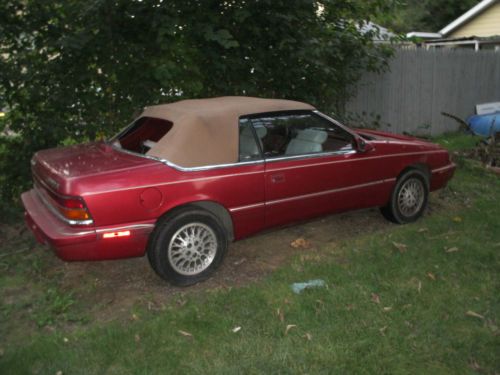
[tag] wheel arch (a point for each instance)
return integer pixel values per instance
(215, 208)
(422, 167)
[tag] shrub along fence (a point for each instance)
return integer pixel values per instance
(420, 84)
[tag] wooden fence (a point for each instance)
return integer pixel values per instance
(420, 84)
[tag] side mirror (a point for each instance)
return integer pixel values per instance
(364, 146)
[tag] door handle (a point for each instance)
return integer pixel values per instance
(277, 178)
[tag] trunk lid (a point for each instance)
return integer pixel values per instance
(58, 169)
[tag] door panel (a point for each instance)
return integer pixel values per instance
(312, 167)
(300, 189)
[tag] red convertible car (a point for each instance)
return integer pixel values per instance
(185, 179)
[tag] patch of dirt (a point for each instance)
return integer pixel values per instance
(114, 287)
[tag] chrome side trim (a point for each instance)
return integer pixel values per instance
(125, 227)
(326, 192)
(99, 231)
(59, 215)
(253, 162)
(445, 168)
(190, 169)
(309, 156)
(311, 195)
(351, 160)
(207, 167)
(247, 207)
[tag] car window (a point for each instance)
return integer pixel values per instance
(249, 148)
(143, 134)
(300, 134)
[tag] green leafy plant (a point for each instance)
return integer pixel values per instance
(75, 70)
(53, 306)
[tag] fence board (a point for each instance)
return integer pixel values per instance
(420, 84)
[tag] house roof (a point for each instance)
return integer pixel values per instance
(423, 35)
(205, 131)
(467, 16)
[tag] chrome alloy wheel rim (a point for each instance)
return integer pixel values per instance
(411, 197)
(192, 249)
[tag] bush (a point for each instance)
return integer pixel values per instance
(77, 70)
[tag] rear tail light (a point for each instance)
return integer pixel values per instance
(71, 208)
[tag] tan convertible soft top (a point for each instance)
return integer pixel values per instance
(205, 131)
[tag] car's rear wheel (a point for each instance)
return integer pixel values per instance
(409, 197)
(187, 247)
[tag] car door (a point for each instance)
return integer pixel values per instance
(312, 167)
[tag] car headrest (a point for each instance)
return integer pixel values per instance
(311, 135)
(261, 132)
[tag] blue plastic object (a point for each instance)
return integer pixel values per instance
(299, 287)
(485, 125)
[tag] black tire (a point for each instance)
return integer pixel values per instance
(176, 263)
(399, 212)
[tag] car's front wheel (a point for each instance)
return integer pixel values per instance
(409, 197)
(187, 247)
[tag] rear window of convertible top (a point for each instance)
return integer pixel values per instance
(143, 134)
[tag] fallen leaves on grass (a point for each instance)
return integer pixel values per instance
(474, 365)
(422, 230)
(236, 329)
(289, 327)
(474, 314)
(155, 306)
(419, 288)
(431, 276)
(457, 219)
(137, 338)
(375, 298)
(387, 308)
(240, 261)
(319, 307)
(134, 317)
(181, 302)
(382, 330)
(310, 257)
(492, 326)
(280, 314)
(308, 336)
(451, 249)
(185, 333)
(400, 246)
(300, 243)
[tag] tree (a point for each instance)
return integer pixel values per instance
(76, 70)
(423, 15)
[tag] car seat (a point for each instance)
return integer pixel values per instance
(307, 141)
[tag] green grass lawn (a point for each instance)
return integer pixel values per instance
(421, 299)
